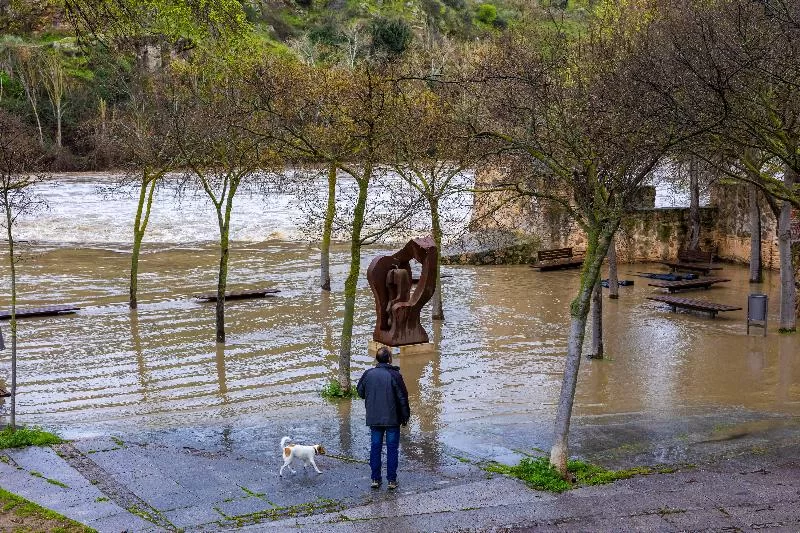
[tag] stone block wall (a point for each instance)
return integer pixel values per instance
(646, 234)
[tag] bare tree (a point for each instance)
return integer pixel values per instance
(593, 133)
(54, 80)
(19, 159)
(213, 125)
(432, 147)
(22, 62)
(739, 61)
(144, 134)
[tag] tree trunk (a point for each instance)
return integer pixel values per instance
(436, 229)
(694, 205)
(351, 284)
(224, 253)
(788, 316)
(756, 268)
(325, 247)
(58, 124)
(613, 278)
(599, 240)
(597, 321)
(140, 225)
(13, 322)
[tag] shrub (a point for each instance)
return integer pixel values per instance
(333, 390)
(390, 37)
(487, 14)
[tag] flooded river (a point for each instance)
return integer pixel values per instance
(499, 354)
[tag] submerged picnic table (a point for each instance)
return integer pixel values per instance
(696, 260)
(696, 305)
(557, 259)
(49, 310)
(699, 283)
(238, 295)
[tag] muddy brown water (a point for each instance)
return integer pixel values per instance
(498, 360)
(499, 353)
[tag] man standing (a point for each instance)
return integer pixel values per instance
(386, 398)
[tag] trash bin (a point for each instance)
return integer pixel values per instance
(757, 311)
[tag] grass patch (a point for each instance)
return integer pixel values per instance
(333, 391)
(24, 436)
(55, 482)
(32, 517)
(540, 475)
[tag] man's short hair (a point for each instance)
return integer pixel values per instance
(384, 355)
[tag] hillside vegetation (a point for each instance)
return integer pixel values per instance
(70, 89)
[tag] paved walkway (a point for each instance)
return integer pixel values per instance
(171, 482)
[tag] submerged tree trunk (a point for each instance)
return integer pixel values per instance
(13, 322)
(436, 228)
(613, 278)
(351, 283)
(139, 227)
(325, 247)
(224, 253)
(597, 321)
(788, 314)
(694, 205)
(599, 240)
(756, 268)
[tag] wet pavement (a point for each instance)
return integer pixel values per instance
(744, 475)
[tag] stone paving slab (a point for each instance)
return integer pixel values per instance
(79, 500)
(186, 484)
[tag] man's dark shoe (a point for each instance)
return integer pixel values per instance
(392, 485)
(376, 483)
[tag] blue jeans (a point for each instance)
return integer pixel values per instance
(392, 445)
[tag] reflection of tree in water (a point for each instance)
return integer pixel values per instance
(136, 340)
(786, 357)
(326, 318)
(422, 375)
(221, 379)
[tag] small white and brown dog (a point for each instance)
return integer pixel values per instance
(302, 452)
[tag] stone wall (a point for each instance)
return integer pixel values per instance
(732, 226)
(646, 234)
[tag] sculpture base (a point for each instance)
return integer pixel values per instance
(408, 349)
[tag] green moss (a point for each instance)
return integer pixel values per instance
(321, 505)
(38, 516)
(540, 475)
(333, 390)
(55, 482)
(24, 436)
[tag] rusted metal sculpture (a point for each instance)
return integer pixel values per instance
(398, 309)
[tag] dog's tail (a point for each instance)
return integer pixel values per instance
(284, 440)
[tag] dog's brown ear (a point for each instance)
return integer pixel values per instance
(320, 449)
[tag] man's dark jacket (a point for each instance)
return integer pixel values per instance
(386, 396)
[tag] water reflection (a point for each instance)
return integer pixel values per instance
(223, 384)
(499, 355)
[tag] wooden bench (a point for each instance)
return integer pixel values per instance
(557, 259)
(238, 295)
(696, 260)
(699, 283)
(50, 310)
(696, 305)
